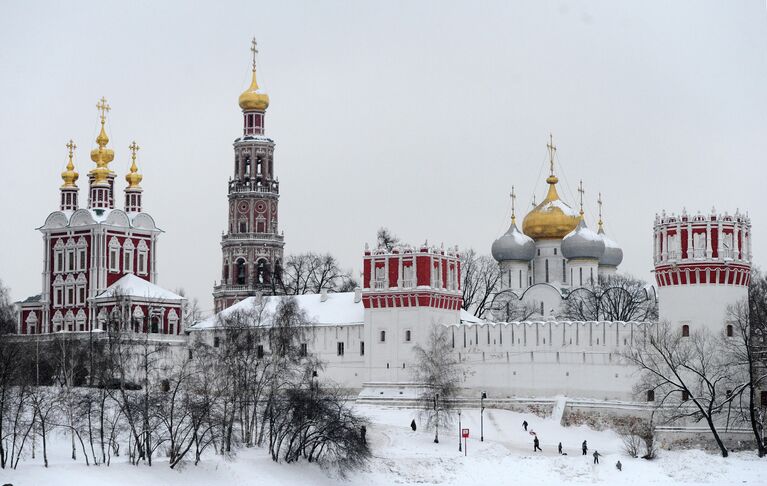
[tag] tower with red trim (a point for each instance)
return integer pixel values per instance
(252, 245)
(405, 291)
(702, 266)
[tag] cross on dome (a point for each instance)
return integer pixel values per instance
(552, 151)
(599, 203)
(513, 202)
(254, 50)
(104, 108)
(581, 191)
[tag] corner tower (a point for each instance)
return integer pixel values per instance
(252, 245)
(702, 266)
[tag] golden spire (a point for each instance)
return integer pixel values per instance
(70, 176)
(581, 191)
(251, 98)
(133, 177)
(599, 203)
(102, 155)
(552, 218)
(513, 201)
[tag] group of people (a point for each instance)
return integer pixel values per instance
(584, 448)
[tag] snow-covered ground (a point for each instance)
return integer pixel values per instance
(402, 456)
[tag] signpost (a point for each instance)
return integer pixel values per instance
(465, 435)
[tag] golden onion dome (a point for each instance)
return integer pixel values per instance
(552, 218)
(252, 98)
(102, 156)
(70, 176)
(133, 177)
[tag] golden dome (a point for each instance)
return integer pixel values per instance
(133, 177)
(251, 99)
(102, 155)
(552, 218)
(70, 176)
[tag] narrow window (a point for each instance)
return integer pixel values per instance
(190, 353)
(541, 308)
(407, 336)
(216, 341)
(303, 349)
(547, 271)
(564, 271)
(383, 336)
(650, 395)
(685, 331)
(259, 351)
(362, 348)
(729, 330)
(685, 395)
(340, 349)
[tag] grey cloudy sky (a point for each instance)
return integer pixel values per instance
(414, 115)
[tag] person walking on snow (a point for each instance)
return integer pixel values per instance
(536, 444)
(412, 425)
(559, 448)
(596, 457)
(619, 466)
(524, 424)
(584, 448)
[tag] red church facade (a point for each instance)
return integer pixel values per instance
(100, 259)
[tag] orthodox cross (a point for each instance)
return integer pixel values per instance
(599, 203)
(254, 50)
(581, 191)
(133, 149)
(71, 146)
(513, 201)
(552, 150)
(103, 107)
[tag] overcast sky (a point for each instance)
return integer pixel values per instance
(418, 116)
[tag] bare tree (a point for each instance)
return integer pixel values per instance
(685, 376)
(745, 344)
(440, 372)
(386, 239)
(507, 307)
(480, 282)
(311, 273)
(614, 298)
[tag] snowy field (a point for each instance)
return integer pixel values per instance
(402, 456)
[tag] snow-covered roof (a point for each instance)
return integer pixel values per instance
(469, 318)
(338, 309)
(130, 285)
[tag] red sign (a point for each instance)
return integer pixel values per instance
(465, 433)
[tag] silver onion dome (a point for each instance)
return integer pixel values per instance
(513, 245)
(613, 255)
(583, 243)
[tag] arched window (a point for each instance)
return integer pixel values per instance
(650, 395)
(261, 272)
(226, 271)
(155, 324)
(730, 330)
(685, 331)
(241, 272)
(547, 271)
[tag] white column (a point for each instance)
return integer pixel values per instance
(735, 242)
(720, 239)
(709, 252)
(689, 241)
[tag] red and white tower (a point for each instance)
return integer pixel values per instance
(252, 245)
(406, 291)
(702, 266)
